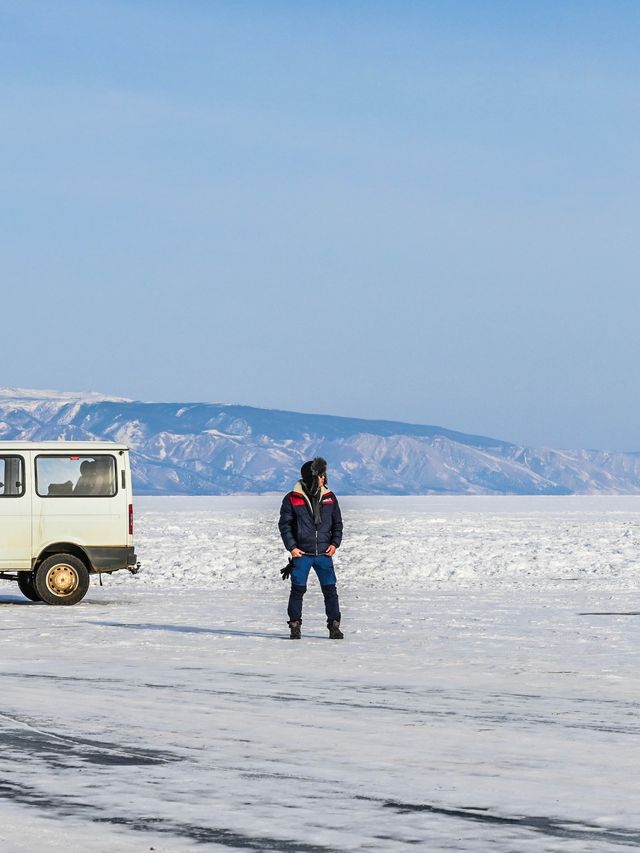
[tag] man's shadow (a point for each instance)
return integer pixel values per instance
(188, 629)
(20, 601)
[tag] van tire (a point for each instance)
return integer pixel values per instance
(61, 579)
(26, 584)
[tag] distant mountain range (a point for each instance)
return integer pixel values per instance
(215, 449)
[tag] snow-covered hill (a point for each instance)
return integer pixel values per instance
(208, 448)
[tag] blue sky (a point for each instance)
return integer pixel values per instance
(417, 211)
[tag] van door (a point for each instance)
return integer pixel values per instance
(15, 513)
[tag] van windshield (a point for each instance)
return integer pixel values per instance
(76, 476)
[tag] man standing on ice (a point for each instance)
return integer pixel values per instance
(311, 529)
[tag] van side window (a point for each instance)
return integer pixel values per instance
(76, 476)
(11, 476)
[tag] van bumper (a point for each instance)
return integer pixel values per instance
(109, 559)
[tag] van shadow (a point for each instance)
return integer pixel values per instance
(86, 602)
(16, 599)
(189, 629)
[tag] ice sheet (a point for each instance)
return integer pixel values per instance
(481, 698)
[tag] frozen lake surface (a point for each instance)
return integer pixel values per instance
(486, 695)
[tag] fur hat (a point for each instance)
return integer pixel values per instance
(314, 468)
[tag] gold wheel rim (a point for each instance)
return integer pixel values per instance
(62, 580)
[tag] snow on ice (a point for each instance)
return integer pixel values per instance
(486, 695)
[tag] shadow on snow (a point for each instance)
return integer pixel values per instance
(190, 629)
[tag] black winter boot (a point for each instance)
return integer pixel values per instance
(294, 627)
(334, 631)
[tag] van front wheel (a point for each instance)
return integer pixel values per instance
(61, 579)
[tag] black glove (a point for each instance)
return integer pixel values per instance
(286, 572)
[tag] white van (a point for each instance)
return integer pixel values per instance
(66, 512)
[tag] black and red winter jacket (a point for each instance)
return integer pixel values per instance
(297, 527)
